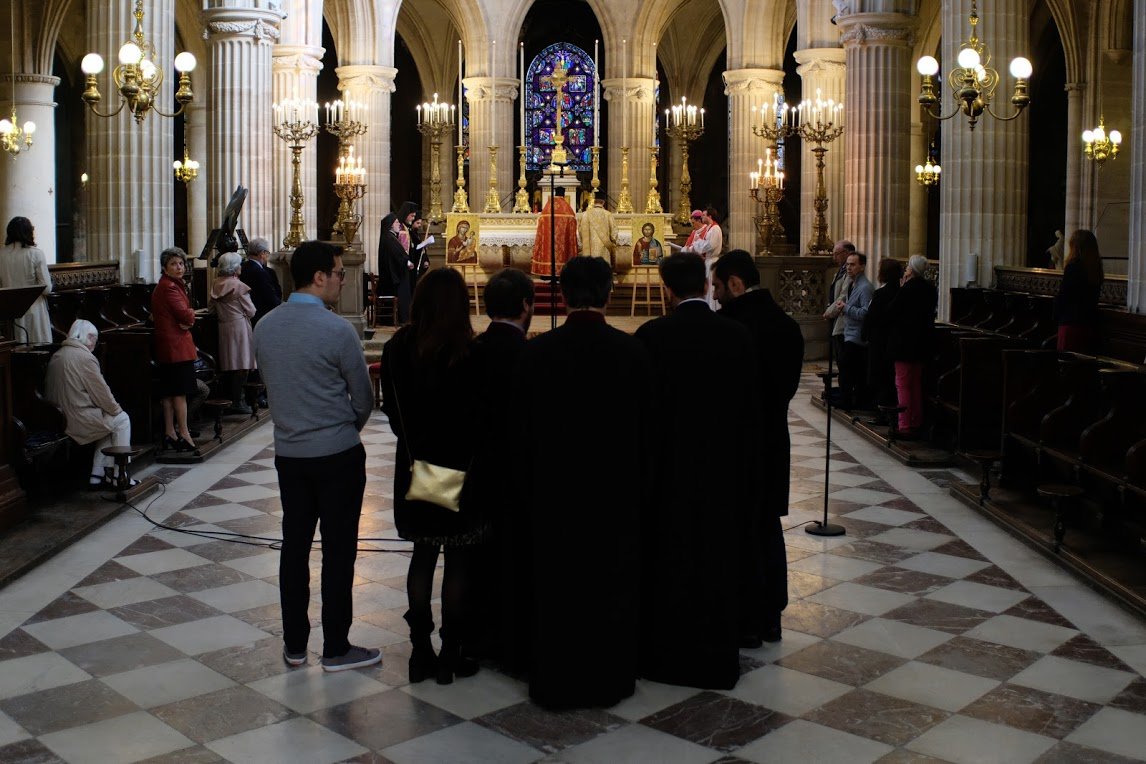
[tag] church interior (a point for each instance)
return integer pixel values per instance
(987, 601)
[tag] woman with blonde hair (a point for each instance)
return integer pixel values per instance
(1076, 304)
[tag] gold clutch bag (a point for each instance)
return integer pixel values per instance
(436, 484)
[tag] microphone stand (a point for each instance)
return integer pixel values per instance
(823, 527)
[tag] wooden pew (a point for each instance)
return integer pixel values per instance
(38, 425)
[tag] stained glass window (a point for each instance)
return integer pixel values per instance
(577, 107)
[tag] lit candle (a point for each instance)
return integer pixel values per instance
(702, 119)
(418, 109)
(492, 95)
(752, 179)
(460, 109)
(624, 92)
(521, 51)
(596, 96)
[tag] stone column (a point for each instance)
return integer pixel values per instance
(635, 96)
(917, 215)
(487, 95)
(877, 139)
(822, 69)
(27, 183)
(130, 188)
(1079, 210)
(1136, 249)
(745, 89)
(295, 71)
(372, 85)
(199, 222)
(983, 196)
(239, 143)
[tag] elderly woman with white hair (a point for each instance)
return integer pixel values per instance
(231, 303)
(911, 321)
(75, 385)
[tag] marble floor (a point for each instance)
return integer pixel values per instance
(924, 634)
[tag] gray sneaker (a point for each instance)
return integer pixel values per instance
(294, 659)
(355, 657)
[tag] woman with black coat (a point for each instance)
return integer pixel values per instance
(1076, 304)
(911, 323)
(880, 368)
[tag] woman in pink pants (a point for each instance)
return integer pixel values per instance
(911, 318)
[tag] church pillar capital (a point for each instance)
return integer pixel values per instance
(259, 25)
(896, 29)
(366, 77)
(298, 59)
(828, 62)
(630, 89)
(753, 82)
(491, 88)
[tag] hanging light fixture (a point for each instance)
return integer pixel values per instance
(137, 77)
(973, 81)
(186, 170)
(13, 138)
(927, 174)
(1098, 145)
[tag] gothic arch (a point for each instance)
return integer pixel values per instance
(515, 19)
(656, 16)
(689, 48)
(423, 27)
(765, 28)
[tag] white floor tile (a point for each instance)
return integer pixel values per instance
(1113, 730)
(969, 741)
(909, 538)
(215, 633)
(10, 731)
(262, 565)
(943, 564)
(126, 592)
(369, 598)
(802, 741)
(114, 741)
(1022, 633)
(904, 640)
(861, 599)
(79, 629)
(864, 495)
(34, 673)
(240, 596)
(1074, 679)
(972, 594)
(636, 744)
(309, 689)
(480, 694)
(295, 741)
(246, 493)
(885, 515)
(651, 697)
(166, 683)
(150, 563)
(221, 513)
(478, 743)
(793, 642)
(835, 566)
(260, 477)
(933, 686)
(790, 692)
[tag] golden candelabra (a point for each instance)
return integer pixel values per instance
(13, 138)
(461, 199)
(345, 121)
(820, 133)
(684, 123)
(349, 187)
(1098, 145)
(186, 170)
(521, 198)
(435, 131)
(624, 201)
(295, 123)
(653, 200)
(768, 224)
(492, 198)
(595, 184)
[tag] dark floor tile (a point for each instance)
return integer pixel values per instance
(904, 756)
(717, 721)
(550, 731)
(817, 619)
(1032, 710)
(107, 573)
(257, 525)
(248, 467)
(986, 659)
(63, 606)
(368, 758)
(959, 548)
(1083, 648)
(835, 506)
(204, 500)
(222, 550)
(904, 581)
(228, 482)
(802, 585)
(201, 577)
(269, 618)
(928, 524)
(859, 469)
(270, 504)
(28, 752)
(907, 505)
(250, 663)
(223, 713)
(20, 644)
(861, 529)
(145, 544)
(385, 719)
(1037, 610)
(875, 551)
(167, 611)
(995, 576)
(1133, 698)
(841, 663)
(196, 755)
(114, 656)
(877, 717)
(942, 616)
(64, 707)
(1069, 753)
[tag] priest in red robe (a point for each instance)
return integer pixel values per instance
(564, 221)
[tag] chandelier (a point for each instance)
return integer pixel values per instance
(927, 174)
(1098, 144)
(13, 138)
(186, 170)
(137, 77)
(973, 81)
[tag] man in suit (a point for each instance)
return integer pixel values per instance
(853, 307)
(703, 496)
(266, 293)
(581, 538)
(778, 346)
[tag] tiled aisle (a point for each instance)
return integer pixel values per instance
(924, 634)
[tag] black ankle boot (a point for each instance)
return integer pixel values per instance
(452, 663)
(423, 660)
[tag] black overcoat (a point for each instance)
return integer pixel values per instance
(875, 331)
(911, 321)
(266, 293)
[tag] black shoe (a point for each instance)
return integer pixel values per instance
(771, 634)
(423, 663)
(451, 663)
(751, 641)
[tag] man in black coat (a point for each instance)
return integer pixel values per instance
(581, 454)
(703, 497)
(779, 348)
(509, 305)
(256, 273)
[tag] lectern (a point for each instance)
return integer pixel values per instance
(13, 304)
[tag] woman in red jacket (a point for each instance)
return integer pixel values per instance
(175, 352)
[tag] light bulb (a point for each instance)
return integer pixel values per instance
(1099, 135)
(130, 53)
(147, 69)
(185, 62)
(5, 127)
(1021, 68)
(1115, 137)
(927, 66)
(1087, 136)
(938, 169)
(918, 169)
(29, 127)
(968, 58)
(92, 64)
(176, 164)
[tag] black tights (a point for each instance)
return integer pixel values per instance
(455, 584)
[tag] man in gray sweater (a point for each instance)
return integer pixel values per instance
(312, 364)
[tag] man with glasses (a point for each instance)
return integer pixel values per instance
(312, 363)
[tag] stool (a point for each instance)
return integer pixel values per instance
(122, 455)
(985, 460)
(375, 370)
(891, 413)
(1061, 497)
(251, 393)
(217, 406)
(647, 277)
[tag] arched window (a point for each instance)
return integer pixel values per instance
(577, 109)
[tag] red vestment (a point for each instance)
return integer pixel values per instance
(565, 222)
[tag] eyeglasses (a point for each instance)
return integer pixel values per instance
(340, 273)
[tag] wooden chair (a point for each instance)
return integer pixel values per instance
(646, 278)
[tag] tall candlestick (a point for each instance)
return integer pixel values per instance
(624, 92)
(596, 97)
(521, 50)
(492, 95)
(460, 101)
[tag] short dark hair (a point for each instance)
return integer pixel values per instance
(586, 282)
(684, 274)
(712, 213)
(890, 270)
(309, 258)
(737, 262)
(20, 231)
(170, 254)
(505, 291)
(860, 255)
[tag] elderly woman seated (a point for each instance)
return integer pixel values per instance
(76, 386)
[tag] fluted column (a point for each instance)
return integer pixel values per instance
(823, 69)
(1078, 187)
(877, 141)
(239, 143)
(917, 214)
(199, 224)
(745, 89)
(27, 182)
(631, 100)
(1136, 249)
(372, 85)
(294, 70)
(983, 196)
(487, 95)
(130, 190)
